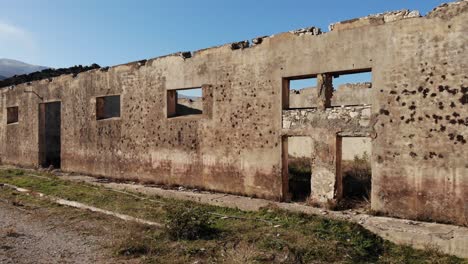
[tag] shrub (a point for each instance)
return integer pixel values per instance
(299, 168)
(357, 177)
(299, 177)
(357, 243)
(139, 240)
(187, 222)
(15, 172)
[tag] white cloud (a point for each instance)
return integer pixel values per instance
(15, 42)
(6, 29)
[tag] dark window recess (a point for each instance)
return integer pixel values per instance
(184, 102)
(12, 115)
(107, 107)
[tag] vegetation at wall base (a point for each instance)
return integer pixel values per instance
(219, 235)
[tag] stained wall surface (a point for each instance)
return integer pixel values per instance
(417, 119)
(346, 94)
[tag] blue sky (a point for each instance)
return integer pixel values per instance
(62, 33)
(337, 81)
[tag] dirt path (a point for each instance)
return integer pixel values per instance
(34, 236)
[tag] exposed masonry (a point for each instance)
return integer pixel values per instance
(346, 120)
(46, 74)
(354, 121)
(377, 19)
(414, 111)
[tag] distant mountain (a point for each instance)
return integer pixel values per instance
(9, 68)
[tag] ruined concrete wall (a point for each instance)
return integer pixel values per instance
(355, 147)
(352, 147)
(20, 140)
(325, 127)
(352, 94)
(299, 147)
(303, 98)
(349, 120)
(419, 118)
(417, 121)
(420, 150)
(3, 121)
(195, 103)
(374, 20)
(344, 95)
(228, 148)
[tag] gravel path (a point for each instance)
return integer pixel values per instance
(32, 236)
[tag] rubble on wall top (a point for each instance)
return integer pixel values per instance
(240, 45)
(46, 74)
(375, 19)
(183, 54)
(142, 63)
(449, 10)
(359, 85)
(258, 40)
(307, 31)
(186, 54)
(313, 31)
(442, 11)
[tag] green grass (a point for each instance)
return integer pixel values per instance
(290, 238)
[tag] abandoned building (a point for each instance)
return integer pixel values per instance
(132, 122)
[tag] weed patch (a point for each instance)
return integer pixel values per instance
(188, 222)
(299, 170)
(199, 233)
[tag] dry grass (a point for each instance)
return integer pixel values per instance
(293, 238)
(299, 177)
(357, 177)
(357, 181)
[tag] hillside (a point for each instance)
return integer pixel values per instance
(9, 68)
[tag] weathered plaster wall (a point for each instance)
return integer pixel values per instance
(195, 103)
(421, 151)
(417, 122)
(226, 149)
(355, 147)
(352, 94)
(351, 147)
(299, 147)
(325, 127)
(344, 95)
(347, 120)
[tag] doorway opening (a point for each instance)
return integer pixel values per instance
(355, 173)
(297, 168)
(49, 135)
